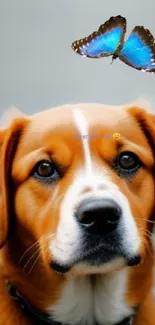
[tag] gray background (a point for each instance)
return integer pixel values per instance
(39, 70)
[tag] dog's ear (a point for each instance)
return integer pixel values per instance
(9, 139)
(146, 120)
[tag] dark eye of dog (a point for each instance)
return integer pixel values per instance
(127, 164)
(45, 171)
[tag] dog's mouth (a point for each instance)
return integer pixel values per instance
(98, 257)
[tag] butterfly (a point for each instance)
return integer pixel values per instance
(138, 51)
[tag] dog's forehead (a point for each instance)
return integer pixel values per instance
(81, 119)
(94, 114)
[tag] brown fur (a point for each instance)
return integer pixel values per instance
(26, 141)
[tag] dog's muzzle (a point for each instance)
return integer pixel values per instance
(101, 230)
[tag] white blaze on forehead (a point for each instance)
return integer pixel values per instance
(82, 126)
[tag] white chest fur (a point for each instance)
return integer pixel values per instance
(89, 300)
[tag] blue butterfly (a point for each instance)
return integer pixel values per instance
(138, 51)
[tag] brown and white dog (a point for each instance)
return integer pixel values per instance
(77, 205)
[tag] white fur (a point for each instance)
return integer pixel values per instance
(87, 301)
(86, 298)
(142, 103)
(85, 269)
(82, 125)
(9, 115)
(67, 244)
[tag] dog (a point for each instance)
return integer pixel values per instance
(77, 211)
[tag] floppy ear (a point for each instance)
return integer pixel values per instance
(9, 139)
(146, 120)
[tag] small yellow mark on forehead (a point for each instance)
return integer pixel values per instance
(116, 136)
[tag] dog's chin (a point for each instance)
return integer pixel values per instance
(96, 263)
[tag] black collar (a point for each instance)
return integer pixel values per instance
(40, 318)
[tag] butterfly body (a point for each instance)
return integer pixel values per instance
(138, 51)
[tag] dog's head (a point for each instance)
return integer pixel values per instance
(85, 194)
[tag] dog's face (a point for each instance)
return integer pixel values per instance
(85, 194)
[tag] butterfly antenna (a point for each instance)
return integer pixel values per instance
(112, 60)
(114, 57)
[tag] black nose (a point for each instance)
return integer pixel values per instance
(99, 216)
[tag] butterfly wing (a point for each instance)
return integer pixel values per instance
(139, 50)
(105, 41)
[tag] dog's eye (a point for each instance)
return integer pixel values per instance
(128, 163)
(45, 170)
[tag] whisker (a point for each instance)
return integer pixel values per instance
(27, 250)
(31, 257)
(150, 233)
(33, 245)
(34, 263)
(149, 221)
(43, 238)
(147, 234)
